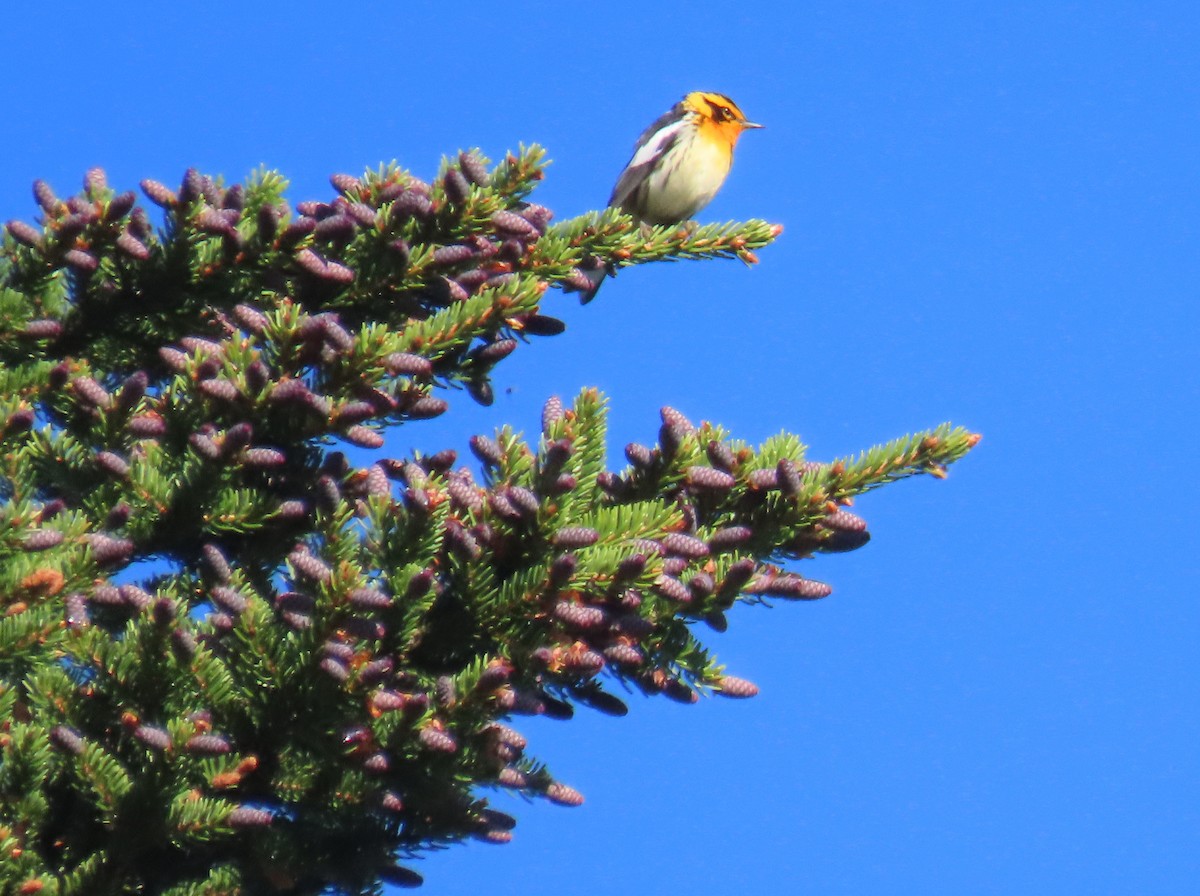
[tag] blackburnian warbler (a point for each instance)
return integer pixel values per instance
(678, 164)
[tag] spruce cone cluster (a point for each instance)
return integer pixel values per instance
(232, 660)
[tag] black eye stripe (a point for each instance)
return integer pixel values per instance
(720, 113)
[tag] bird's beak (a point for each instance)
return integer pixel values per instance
(746, 125)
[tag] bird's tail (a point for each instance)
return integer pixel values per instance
(588, 277)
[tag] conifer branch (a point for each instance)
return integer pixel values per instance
(231, 661)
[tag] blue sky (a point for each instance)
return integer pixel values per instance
(992, 216)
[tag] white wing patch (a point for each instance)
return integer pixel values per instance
(645, 159)
(652, 148)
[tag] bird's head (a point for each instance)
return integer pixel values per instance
(719, 113)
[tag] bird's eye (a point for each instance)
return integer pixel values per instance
(722, 113)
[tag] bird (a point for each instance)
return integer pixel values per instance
(678, 165)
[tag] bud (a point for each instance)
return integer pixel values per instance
(679, 692)
(399, 876)
(437, 739)
(622, 654)
(729, 537)
(107, 550)
(448, 255)
(135, 597)
(220, 389)
(789, 477)
(229, 599)
(730, 686)
(362, 213)
(66, 739)
(42, 329)
(411, 204)
(537, 215)
(296, 231)
(639, 455)
(738, 575)
(511, 777)
(564, 795)
(41, 540)
(701, 584)
(217, 565)
(152, 736)
(487, 450)
(309, 565)
(456, 187)
(552, 410)
(92, 392)
(525, 501)
(721, 455)
(841, 540)
(147, 426)
(204, 347)
(674, 565)
(262, 458)
(574, 537)
(75, 605)
(406, 364)
(164, 611)
(234, 199)
(364, 437)
(579, 616)
(512, 224)
(183, 644)
(310, 261)
(192, 187)
(579, 281)
(553, 708)
(462, 542)
(25, 234)
(684, 545)
(44, 195)
(208, 745)
(249, 817)
(607, 703)
(844, 521)
(674, 419)
(205, 445)
(334, 668)
(139, 223)
(540, 325)
(160, 194)
(763, 480)
(336, 272)
(473, 167)
(335, 228)
(19, 421)
(400, 249)
(556, 454)
(368, 599)
(481, 391)
(113, 464)
(709, 479)
(494, 351)
(346, 184)
(119, 206)
(95, 182)
(612, 485)
(673, 589)
(789, 586)
(426, 407)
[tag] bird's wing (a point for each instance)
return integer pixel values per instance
(655, 140)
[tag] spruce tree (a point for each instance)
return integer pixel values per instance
(231, 660)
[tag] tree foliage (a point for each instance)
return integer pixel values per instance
(231, 660)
